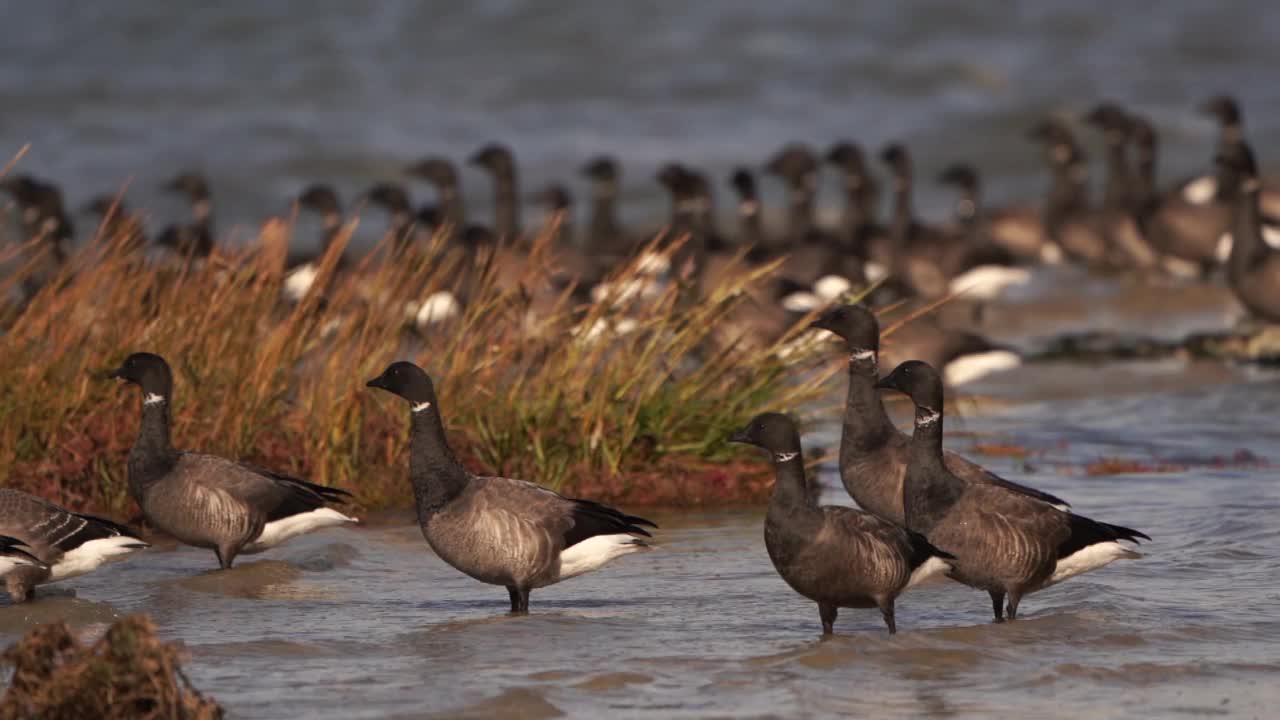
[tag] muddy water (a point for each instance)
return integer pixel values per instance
(368, 623)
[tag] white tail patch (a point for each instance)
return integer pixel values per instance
(801, 302)
(298, 282)
(1091, 558)
(988, 282)
(875, 272)
(831, 287)
(438, 307)
(1200, 191)
(932, 567)
(967, 368)
(592, 553)
(278, 531)
(92, 554)
(1270, 235)
(1050, 253)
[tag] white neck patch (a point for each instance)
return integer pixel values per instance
(153, 399)
(861, 355)
(784, 457)
(930, 417)
(419, 407)
(1251, 185)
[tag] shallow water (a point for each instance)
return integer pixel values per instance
(368, 623)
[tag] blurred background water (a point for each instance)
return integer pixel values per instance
(267, 97)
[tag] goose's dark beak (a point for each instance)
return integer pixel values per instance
(377, 382)
(740, 436)
(117, 374)
(887, 383)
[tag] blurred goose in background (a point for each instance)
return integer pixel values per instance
(117, 224)
(1067, 219)
(207, 501)
(405, 225)
(836, 556)
(302, 268)
(46, 229)
(605, 233)
(977, 228)
(1117, 218)
(451, 214)
(859, 232)
(1253, 267)
(55, 544)
(497, 530)
(1004, 541)
(496, 159)
(194, 239)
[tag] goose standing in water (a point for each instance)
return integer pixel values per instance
(207, 501)
(836, 556)
(57, 543)
(873, 452)
(1004, 542)
(497, 530)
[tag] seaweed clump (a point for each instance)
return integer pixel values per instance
(128, 673)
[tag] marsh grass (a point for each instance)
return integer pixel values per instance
(640, 417)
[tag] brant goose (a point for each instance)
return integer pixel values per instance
(979, 228)
(404, 222)
(301, 269)
(496, 530)
(1253, 268)
(862, 195)
(1067, 218)
(208, 501)
(117, 224)
(604, 231)
(194, 239)
(836, 556)
(63, 544)
(750, 227)
(1116, 128)
(558, 205)
(45, 229)
(442, 174)
(1004, 542)
(873, 452)
(498, 161)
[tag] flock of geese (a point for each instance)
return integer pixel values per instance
(925, 512)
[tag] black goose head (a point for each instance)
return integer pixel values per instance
(1224, 109)
(389, 196)
(856, 325)
(960, 176)
(601, 169)
(409, 382)
(148, 371)
(555, 197)
(436, 170)
(104, 205)
(494, 157)
(917, 380)
(796, 164)
(771, 431)
(896, 157)
(321, 199)
(191, 184)
(848, 157)
(743, 183)
(25, 190)
(674, 177)
(1108, 117)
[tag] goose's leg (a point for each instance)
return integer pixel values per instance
(886, 609)
(515, 598)
(522, 604)
(226, 555)
(997, 604)
(828, 615)
(1014, 598)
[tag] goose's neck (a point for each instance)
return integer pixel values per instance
(790, 489)
(928, 489)
(506, 206)
(902, 214)
(454, 212)
(1248, 249)
(866, 426)
(434, 470)
(152, 455)
(1118, 178)
(604, 224)
(800, 220)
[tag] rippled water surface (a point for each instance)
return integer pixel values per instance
(367, 623)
